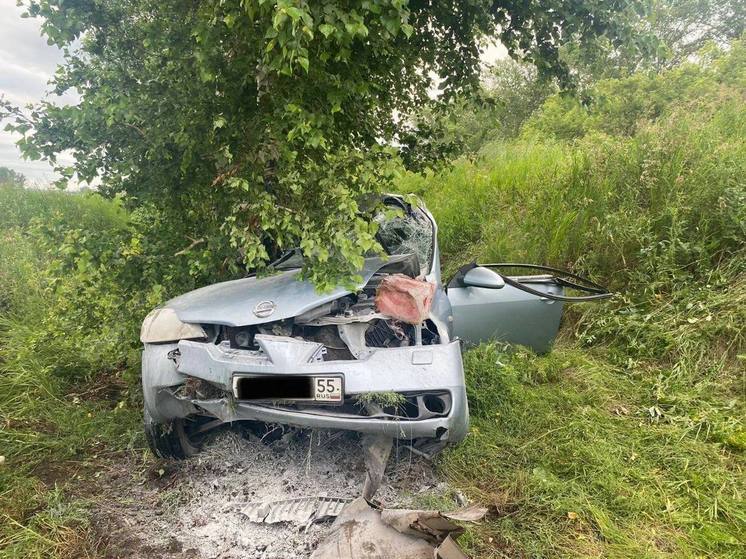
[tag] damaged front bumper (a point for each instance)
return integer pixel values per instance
(430, 379)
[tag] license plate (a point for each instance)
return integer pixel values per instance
(327, 389)
(307, 388)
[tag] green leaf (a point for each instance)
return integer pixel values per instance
(392, 24)
(326, 29)
(219, 122)
(230, 20)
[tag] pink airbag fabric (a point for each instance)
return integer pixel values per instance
(404, 298)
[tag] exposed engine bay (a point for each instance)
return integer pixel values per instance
(349, 326)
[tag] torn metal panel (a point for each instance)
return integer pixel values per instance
(376, 451)
(231, 303)
(404, 298)
(473, 513)
(285, 352)
(364, 532)
(449, 549)
(353, 335)
(303, 510)
(359, 533)
(430, 525)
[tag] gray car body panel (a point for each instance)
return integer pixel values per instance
(508, 315)
(232, 303)
(407, 369)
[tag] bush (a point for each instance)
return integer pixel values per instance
(619, 107)
(78, 273)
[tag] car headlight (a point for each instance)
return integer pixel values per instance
(163, 325)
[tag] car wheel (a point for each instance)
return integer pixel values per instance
(170, 439)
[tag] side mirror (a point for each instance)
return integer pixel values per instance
(483, 277)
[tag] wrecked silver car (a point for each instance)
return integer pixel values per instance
(384, 359)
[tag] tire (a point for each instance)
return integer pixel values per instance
(169, 440)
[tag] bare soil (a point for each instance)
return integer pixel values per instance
(192, 508)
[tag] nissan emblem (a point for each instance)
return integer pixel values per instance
(264, 309)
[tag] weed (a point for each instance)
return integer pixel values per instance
(382, 399)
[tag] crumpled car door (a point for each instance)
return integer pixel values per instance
(485, 308)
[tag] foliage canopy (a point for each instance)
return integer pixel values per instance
(262, 124)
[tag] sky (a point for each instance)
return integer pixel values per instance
(27, 63)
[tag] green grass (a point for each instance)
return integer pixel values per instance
(626, 441)
(22, 206)
(383, 399)
(579, 457)
(64, 402)
(59, 528)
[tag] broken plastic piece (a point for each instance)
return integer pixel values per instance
(449, 549)
(468, 514)
(303, 510)
(362, 532)
(404, 298)
(430, 525)
(359, 533)
(376, 450)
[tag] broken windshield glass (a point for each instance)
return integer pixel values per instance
(289, 260)
(411, 233)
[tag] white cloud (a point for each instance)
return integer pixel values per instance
(493, 51)
(27, 63)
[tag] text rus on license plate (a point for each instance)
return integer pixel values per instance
(327, 389)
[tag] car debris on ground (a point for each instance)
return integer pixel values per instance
(301, 510)
(364, 530)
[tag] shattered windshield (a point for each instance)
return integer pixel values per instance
(289, 260)
(411, 233)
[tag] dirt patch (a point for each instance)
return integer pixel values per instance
(193, 508)
(106, 386)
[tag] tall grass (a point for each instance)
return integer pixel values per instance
(670, 198)
(628, 439)
(78, 273)
(54, 418)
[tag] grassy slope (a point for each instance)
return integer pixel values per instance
(628, 439)
(54, 428)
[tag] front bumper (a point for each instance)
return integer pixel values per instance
(421, 370)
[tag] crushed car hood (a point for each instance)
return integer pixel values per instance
(233, 303)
